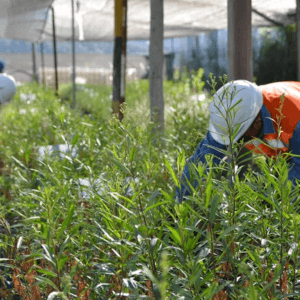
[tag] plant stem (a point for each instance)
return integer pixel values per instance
(143, 219)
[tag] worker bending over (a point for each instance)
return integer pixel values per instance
(8, 86)
(266, 118)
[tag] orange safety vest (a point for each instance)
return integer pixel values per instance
(285, 115)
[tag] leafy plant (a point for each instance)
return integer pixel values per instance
(121, 234)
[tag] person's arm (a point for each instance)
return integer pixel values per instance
(207, 146)
(294, 172)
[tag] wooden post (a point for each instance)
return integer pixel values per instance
(34, 77)
(54, 51)
(298, 38)
(240, 58)
(156, 61)
(43, 64)
(119, 70)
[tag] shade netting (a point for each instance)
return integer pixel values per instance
(94, 19)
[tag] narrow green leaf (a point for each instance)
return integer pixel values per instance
(47, 272)
(18, 162)
(128, 142)
(120, 166)
(155, 205)
(67, 221)
(167, 164)
(48, 255)
(167, 196)
(19, 242)
(63, 246)
(213, 208)
(152, 198)
(254, 256)
(174, 234)
(62, 261)
(46, 280)
(87, 124)
(208, 192)
(226, 231)
(132, 154)
(75, 139)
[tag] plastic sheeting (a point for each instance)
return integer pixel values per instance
(94, 19)
(23, 19)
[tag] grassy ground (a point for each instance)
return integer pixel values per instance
(126, 237)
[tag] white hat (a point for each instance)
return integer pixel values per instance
(8, 88)
(233, 108)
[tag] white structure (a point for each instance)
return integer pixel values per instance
(61, 151)
(94, 19)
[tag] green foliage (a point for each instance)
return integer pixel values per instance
(277, 60)
(91, 99)
(126, 237)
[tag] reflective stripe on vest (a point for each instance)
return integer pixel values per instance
(285, 118)
(269, 147)
(289, 113)
(276, 144)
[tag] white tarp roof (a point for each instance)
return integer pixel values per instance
(26, 19)
(23, 19)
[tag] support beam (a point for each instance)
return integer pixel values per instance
(156, 62)
(34, 76)
(240, 57)
(54, 51)
(119, 69)
(267, 18)
(298, 37)
(73, 57)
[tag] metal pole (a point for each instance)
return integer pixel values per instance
(298, 37)
(124, 52)
(156, 61)
(73, 57)
(54, 51)
(119, 71)
(34, 78)
(43, 65)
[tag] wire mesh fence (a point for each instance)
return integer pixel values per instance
(83, 75)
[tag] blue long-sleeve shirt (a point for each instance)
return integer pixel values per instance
(210, 146)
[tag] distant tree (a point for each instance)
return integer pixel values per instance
(277, 59)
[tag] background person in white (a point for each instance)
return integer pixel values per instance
(8, 86)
